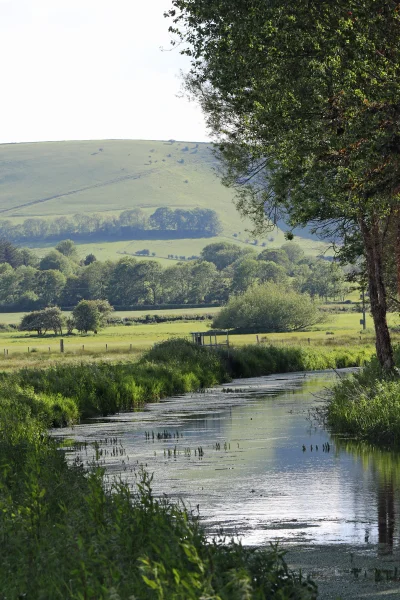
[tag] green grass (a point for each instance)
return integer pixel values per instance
(117, 178)
(70, 533)
(366, 405)
(345, 328)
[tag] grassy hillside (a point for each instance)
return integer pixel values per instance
(49, 179)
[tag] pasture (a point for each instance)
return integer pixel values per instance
(64, 178)
(127, 342)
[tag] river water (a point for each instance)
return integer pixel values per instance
(235, 455)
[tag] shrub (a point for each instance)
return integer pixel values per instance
(268, 307)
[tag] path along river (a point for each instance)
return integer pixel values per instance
(235, 454)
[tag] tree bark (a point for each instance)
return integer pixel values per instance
(377, 292)
(397, 213)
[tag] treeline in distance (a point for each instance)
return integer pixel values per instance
(130, 224)
(61, 278)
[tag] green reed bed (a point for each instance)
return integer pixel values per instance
(174, 367)
(253, 361)
(366, 405)
(65, 534)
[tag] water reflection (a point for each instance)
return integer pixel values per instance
(384, 467)
(253, 477)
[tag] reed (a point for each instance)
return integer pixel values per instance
(366, 405)
(67, 533)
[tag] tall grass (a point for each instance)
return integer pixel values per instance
(253, 361)
(366, 405)
(173, 367)
(65, 534)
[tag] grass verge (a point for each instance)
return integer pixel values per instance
(67, 533)
(173, 367)
(366, 405)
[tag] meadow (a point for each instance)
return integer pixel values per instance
(109, 176)
(127, 342)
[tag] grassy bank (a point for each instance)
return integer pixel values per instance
(66, 533)
(366, 405)
(173, 367)
(121, 342)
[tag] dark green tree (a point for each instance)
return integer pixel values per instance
(68, 249)
(90, 315)
(303, 100)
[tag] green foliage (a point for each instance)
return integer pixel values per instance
(268, 307)
(90, 315)
(68, 249)
(57, 261)
(197, 222)
(173, 367)
(67, 533)
(303, 103)
(367, 405)
(254, 361)
(42, 321)
(223, 254)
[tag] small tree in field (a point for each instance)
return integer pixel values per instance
(91, 315)
(267, 308)
(42, 321)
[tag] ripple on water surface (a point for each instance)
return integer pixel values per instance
(236, 453)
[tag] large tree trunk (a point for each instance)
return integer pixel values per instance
(397, 224)
(371, 235)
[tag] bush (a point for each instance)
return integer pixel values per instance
(367, 405)
(270, 307)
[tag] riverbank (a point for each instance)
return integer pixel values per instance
(70, 533)
(256, 482)
(344, 571)
(172, 367)
(366, 406)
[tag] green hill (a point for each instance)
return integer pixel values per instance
(52, 179)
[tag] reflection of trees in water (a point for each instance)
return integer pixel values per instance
(385, 469)
(386, 513)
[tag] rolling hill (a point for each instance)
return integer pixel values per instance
(53, 179)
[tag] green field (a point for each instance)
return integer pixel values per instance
(51, 179)
(130, 341)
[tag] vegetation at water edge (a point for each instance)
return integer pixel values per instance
(366, 405)
(70, 533)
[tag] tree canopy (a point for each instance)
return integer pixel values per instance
(267, 308)
(303, 100)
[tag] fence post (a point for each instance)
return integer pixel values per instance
(49, 349)
(106, 347)
(309, 341)
(61, 346)
(130, 347)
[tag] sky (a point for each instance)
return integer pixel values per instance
(92, 69)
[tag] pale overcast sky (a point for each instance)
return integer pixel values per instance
(91, 69)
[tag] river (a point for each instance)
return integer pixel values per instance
(248, 457)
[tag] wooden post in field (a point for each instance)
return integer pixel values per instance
(258, 341)
(309, 341)
(28, 349)
(61, 346)
(130, 347)
(106, 347)
(83, 347)
(49, 349)
(4, 351)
